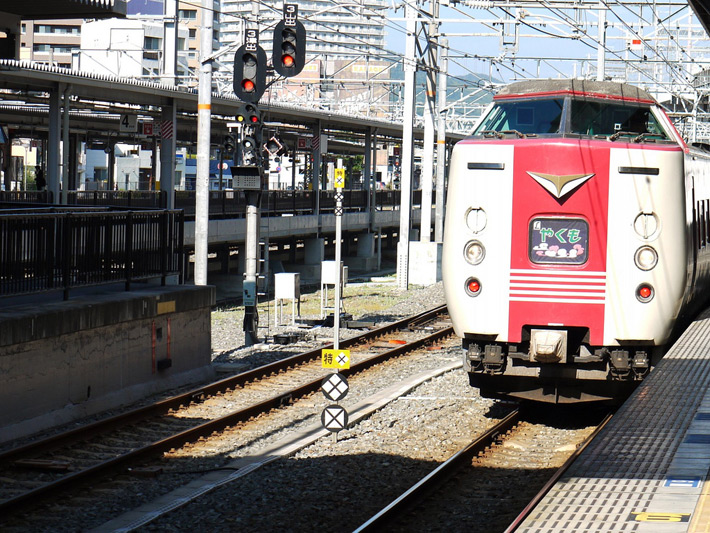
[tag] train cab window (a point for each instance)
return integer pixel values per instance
(527, 117)
(594, 118)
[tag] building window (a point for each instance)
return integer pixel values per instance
(187, 14)
(151, 43)
(57, 30)
(100, 174)
(57, 49)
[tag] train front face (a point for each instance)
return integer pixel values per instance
(565, 241)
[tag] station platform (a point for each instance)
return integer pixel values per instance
(61, 360)
(647, 470)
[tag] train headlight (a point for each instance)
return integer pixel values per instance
(644, 293)
(474, 252)
(646, 258)
(473, 287)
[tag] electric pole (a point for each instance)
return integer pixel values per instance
(204, 117)
(410, 67)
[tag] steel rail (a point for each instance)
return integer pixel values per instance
(438, 475)
(207, 428)
(217, 387)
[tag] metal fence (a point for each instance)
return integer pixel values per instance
(222, 204)
(125, 199)
(60, 250)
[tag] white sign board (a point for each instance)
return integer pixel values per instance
(128, 124)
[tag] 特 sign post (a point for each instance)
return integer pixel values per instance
(335, 417)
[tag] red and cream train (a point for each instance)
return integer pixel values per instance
(576, 239)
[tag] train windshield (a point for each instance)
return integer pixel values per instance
(572, 116)
(524, 117)
(589, 117)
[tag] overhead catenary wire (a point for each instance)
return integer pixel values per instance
(677, 78)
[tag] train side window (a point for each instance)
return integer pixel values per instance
(702, 221)
(697, 220)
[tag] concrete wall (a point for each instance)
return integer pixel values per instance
(63, 360)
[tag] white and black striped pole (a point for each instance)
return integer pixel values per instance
(339, 185)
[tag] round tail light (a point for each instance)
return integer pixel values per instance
(644, 293)
(473, 287)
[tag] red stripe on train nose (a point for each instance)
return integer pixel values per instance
(556, 160)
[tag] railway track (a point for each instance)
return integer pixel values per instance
(51, 466)
(469, 472)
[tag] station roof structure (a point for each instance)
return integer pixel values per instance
(99, 100)
(64, 9)
(702, 11)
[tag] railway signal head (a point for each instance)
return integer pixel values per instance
(249, 148)
(289, 50)
(228, 145)
(249, 114)
(249, 80)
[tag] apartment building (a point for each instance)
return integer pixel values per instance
(52, 42)
(129, 48)
(58, 42)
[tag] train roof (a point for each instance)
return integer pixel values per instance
(597, 89)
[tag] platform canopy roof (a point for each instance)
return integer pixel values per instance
(64, 9)
(702, 10)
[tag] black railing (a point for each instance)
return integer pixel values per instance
(12, 198)
(61, 250)
(126, 199)
(222, 204)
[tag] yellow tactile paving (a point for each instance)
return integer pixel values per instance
(701, 516)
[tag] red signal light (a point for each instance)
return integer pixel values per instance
(248, 86)
(287, 60)
(254, 119)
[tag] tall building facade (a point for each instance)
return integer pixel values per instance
(340, 31)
